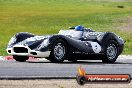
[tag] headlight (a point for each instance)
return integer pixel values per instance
(12, 40)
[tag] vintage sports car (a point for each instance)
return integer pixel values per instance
(77, 43)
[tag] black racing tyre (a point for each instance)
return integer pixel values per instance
(81, 80)
(20, 58)
(58, 51)
(110, 52)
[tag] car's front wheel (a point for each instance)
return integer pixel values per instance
(111, 52)
(58, 51)
(20, 58)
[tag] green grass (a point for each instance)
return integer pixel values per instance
(49, 16)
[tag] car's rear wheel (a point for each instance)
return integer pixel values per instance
(111, 52)
(58, 51)
(20, 58)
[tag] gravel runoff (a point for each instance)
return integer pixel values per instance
(54, 83)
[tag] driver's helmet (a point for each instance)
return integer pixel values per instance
(79, 28)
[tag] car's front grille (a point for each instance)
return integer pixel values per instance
(20, 50)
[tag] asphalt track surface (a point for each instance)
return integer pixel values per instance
(40, 69)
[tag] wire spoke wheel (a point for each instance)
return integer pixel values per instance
(59, 51)
(111, 51)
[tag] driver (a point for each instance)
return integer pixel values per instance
(79, 28)
(82, 28)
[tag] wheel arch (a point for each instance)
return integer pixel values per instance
(109, 37)
(57, 37)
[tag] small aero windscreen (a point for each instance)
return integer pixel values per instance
(72, 33)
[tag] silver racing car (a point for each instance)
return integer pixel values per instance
(76, 43)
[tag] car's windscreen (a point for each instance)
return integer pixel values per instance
(72, 33)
